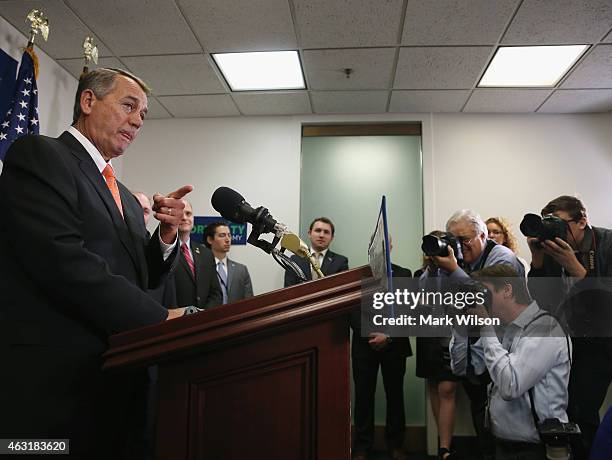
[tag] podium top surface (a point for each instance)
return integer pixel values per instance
(267, 313)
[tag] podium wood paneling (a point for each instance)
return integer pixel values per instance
(264, 378)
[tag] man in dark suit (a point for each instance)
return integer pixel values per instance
(233, 277)
(321, 234)
(378, 350)
(195, 278)
(75, 264)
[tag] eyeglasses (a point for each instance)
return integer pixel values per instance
(467, 241)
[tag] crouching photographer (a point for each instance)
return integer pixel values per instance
(570, 275)
(470, 233)
(529, 367)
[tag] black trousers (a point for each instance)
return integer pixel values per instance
(477, 393)
(508, 450)
(365, 373)
(590, 378)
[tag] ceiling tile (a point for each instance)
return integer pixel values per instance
(372, 68)
(138, 26)
(347, 23)
(349, 101)
(428, 101)
(440, 67)
(66, 31)
(75, 66)
(273, 103)
(456, 22)
(177, 74)
(546, 22)
(506, 100)
(254, 25)
(578, 100)
(208, 105)
(156, 110)
(595, 71)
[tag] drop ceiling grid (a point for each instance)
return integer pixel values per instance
(417, 54)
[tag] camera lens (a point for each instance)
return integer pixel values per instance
(434, 246)
(532, 226)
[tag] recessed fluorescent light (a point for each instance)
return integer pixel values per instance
(268, 70)
(530, 65)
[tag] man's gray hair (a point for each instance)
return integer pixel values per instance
(101, 81)
(469, 217)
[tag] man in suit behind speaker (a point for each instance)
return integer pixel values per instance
(321, 234)
(233, 277)
(195, 279)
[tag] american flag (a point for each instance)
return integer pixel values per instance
(22, 117)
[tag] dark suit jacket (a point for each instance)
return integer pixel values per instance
(204, 291)
(238, 282)
(333, 263)
(399, 345)
(72, 273)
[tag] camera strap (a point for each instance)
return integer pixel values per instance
(485, 254)
(536, 420)
(470, 373)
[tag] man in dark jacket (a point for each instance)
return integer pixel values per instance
(379, 350)
(321, 233)
(75, 265)
(195, 277)
(570, 276)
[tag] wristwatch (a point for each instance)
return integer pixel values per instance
(191, 310)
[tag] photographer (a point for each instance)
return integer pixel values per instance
(433, 364)
(477, 252)
(582, 262)
(532, 356)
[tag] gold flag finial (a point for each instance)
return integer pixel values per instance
(39, 24)
(90, 53)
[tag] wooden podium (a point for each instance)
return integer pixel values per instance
(264, 378)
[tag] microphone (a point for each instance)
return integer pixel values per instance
(232, 206)
(294, 244)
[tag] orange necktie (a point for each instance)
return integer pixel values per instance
(111, 182)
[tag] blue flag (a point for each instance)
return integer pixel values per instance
(22, 116)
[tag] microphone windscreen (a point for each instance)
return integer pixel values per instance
(294, 244)
(226, 201)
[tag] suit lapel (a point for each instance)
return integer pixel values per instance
(305, 266)
(231, 271)
(131, 222)
(327, 261)
(90, 171)
(197, 259)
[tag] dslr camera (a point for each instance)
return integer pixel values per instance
(438, 246)
(559, 437)
(544, 228)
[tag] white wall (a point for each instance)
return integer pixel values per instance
(497, 164)
(258, 157)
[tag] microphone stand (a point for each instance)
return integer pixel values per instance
(270, 248)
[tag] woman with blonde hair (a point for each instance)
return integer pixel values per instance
(499, 231)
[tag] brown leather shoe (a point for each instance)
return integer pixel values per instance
(360, 456)
(398, 454)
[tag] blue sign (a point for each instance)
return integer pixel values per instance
(238, 231)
